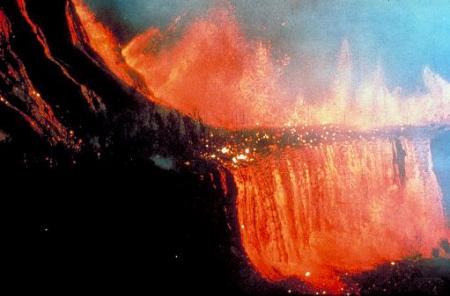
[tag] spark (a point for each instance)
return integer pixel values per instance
(241, 157)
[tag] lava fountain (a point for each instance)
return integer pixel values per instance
(318, 208)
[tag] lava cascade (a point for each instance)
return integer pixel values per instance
(317, 212)
(312, 212)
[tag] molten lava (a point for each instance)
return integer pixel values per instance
(231, 82)
(315, 211)
(26, 100)
(101, 40)
(216, 74)
(4, 26)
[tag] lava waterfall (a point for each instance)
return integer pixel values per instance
(314, 212)
(308, 193)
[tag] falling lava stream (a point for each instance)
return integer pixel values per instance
(315, 200)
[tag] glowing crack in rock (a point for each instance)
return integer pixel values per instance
(31, 107)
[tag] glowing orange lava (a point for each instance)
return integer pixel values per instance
(100, 38)
(231, 81)
(37, 113)
(315, 211)
(4, 26)
(215, 73)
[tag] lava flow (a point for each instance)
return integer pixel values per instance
(327, 205)
(215, 73)
(316, 212)
(37, 112)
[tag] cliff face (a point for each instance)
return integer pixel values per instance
(61, 99)
(88, 146)
(18, 93)
(315, 213)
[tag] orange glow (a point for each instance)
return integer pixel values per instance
(90, 96)
(36, 30)
(100, 38)
(213, 72)
(38, 114)
(5, 29)
(329, 206)
(317, 212)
